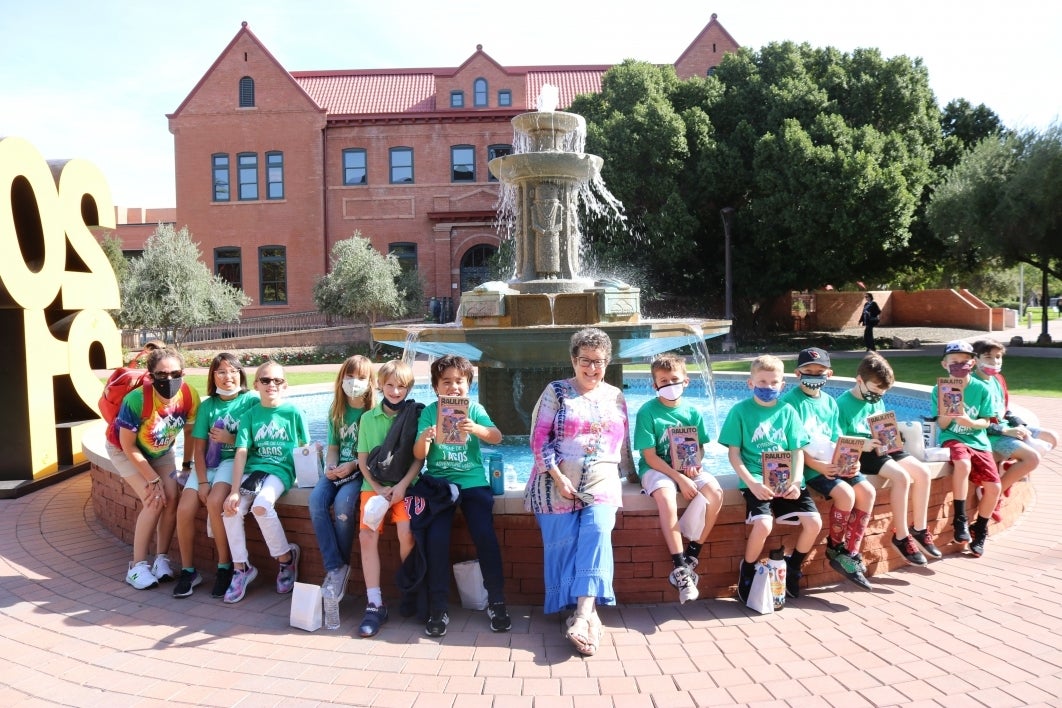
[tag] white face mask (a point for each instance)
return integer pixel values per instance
(232, 391)
(671, 392)
(355, 388)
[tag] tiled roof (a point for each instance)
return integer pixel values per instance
(363, 93)
(569, 82)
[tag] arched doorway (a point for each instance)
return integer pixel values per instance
(474, 268)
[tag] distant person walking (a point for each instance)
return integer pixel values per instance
(870, 317)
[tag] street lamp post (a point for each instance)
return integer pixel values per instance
(727, 214)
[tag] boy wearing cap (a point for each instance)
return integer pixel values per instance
(907, 476)
(966, 437)
(852, 496)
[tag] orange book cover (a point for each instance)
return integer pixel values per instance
(846, 455)
(949, 396)
(452, 410)
(685, 446)
(883, 428)
(777, 470)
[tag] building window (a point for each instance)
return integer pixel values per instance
(475, 266)
(354, 167)
(479, 93)
(462, 163)
(401, 165)
(494, 151)
(457, 99)
(274, 175)
(406, 253)
(273, 275)
(246, 92)
(247, 167)
(221, 177)
(227, 265)
(505, 98)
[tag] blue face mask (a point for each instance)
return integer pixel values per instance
(766, 393)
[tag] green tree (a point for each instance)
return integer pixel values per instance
(112, 248)
(362, 284)
(169, 289)
(1004, 200)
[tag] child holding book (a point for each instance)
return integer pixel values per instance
(263, 469)
(851, 493)
(908, 477)
(966, 437)
(755, 426)
(334, 500)
(456, 458)
(662, 475)
(394, 379)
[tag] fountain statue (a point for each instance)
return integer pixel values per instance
(517, 332)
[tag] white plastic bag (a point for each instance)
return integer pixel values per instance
(306, 607)
(374, 512)
(469, 579)
(691, 525)
(307, 465)
(760, 597)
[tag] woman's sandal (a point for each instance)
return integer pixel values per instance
(583, 635)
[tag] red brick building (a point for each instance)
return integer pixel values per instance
(274, 167)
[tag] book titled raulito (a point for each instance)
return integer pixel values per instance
(949, 396)
(846, 454)
(883, 428)
(777, 470)
(452, 410)
(685, 447)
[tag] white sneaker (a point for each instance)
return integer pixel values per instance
(161, 568)
(140, 576)
(337, 580)
(686, 581)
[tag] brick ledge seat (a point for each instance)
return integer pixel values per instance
(641, 559)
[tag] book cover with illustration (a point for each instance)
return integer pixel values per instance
(685, 447)
(777, 470)
(452, 410)
(883, 428)
(846, 454)
(949, 396)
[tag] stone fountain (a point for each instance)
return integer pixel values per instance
(517, 332)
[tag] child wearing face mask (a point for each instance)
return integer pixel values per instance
(966, 437)
(761, 424)
(908, 477)
(662, 478)
(334, 502)
(852, 496)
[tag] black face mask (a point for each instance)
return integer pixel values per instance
(393, 406)
(869, 396)
(167, 388)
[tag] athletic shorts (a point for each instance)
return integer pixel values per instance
(871, 462)
(396, 513)
(221, 473)
(653, 480)
(785, 511)
(825, 485)
(983, 469)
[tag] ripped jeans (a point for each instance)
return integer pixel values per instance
(268, 521)
(335, 535)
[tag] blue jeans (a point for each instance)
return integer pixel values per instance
(477, 505)
(335, 535)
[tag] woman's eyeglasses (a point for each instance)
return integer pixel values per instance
(163, 375)
(266, 380)
(591, 363)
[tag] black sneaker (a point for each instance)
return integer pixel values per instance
(792, 578)
(925, 539)
(186, 581)
(847, 566)
(500, 621)
(907, 549)
(436, 626)
(744, 586)
(977, 543)
(375, 615)
(962, 531)
(221, 582)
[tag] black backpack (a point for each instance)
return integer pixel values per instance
(389, 461)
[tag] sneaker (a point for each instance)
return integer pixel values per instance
(436, 626)
(691, 562)
(962, 530)
(847, 566)
(240, 580)
(375, 616)
(925, 539)
(222, 579)
(289, 572)
(686, 581)
(337, 580)
(832, 550)
(140, 576)
(860, 563)
(792, 578)
(161, 568)
(500, 621)
(977, 543)
(186, 581)
(906, 547)
(744, 586)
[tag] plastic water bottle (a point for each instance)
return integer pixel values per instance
(213, 452)
(331, 608)
(512, 480)
(777, 566)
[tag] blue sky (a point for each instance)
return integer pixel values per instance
(95, 80)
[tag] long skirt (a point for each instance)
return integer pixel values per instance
(577, 554)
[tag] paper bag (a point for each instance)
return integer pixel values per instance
(469, 579)
(760, 597)
(306, 607)
(691, 525)
(307, 465)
